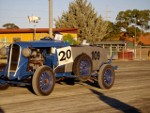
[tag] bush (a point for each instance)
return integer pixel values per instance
(69, 38)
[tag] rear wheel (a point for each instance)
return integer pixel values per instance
(43, 81)
(106, 76)
(82, 67)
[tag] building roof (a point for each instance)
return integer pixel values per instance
(145, 39)
(111, 42)
(38, 30)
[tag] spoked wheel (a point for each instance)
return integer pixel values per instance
(43, 81)
(106, 76)
(82, 67)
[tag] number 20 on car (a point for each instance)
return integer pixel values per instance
(64, 55)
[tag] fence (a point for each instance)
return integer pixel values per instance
(124, 52)
(129, 52)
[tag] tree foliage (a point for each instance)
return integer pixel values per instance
(131, 20)
(82, 15)
(129, 23)
(113, 31)
(10, 26)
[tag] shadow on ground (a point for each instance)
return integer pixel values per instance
(1, 110)
(117, 104)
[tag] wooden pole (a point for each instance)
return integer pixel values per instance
(51, 18)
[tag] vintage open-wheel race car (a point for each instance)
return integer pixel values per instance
(39, 64)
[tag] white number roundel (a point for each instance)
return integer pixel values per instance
(64, 55)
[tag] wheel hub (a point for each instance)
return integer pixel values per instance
(108, 77)
(46, 81)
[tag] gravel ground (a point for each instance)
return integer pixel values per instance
(130, 94)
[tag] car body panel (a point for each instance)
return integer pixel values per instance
(88, 50)
(21, 68)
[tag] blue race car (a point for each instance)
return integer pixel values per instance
(39, 64)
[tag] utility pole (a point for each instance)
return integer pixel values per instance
(135, 38)
(51, 18)
(106, 14)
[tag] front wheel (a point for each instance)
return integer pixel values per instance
(43, 81)
(106, 76)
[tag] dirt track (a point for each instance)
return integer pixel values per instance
(130, 94)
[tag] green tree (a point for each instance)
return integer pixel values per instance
(10, 26)
(133, 22)
(113, 31)
(131, 31)
(82, 15)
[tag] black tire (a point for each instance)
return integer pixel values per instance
(4, 86)
(106, 76)
(43, 81)
(82, 67)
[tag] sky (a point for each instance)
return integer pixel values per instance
(17, 11)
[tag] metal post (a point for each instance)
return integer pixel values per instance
(110, 50)
(135, 40)
(50, 18)
(34, 35)
(34, 20)
(140, 52)
(123, 53)
(135, 45)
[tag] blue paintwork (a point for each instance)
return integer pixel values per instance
(109, 62)
(21, 72)
(43, 43)
(2, 81)
(66, 74)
